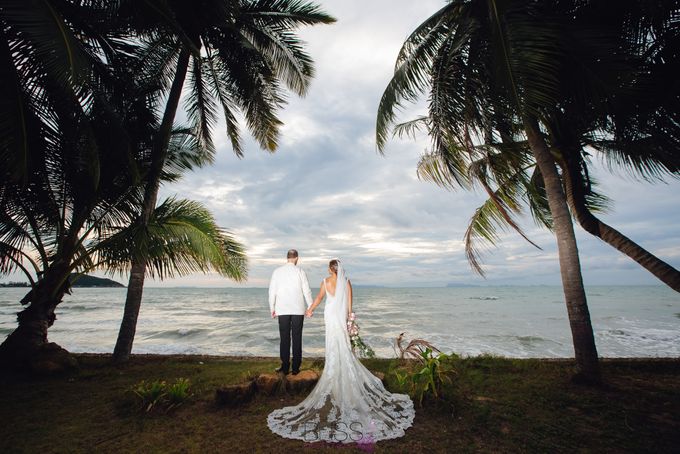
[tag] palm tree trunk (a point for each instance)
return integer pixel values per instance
(576, 198)
(133, 301)
(27, 348)
(135, 288)
(570, 268)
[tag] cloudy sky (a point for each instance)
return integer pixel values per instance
(327, 192)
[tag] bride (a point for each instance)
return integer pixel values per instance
(349, 404)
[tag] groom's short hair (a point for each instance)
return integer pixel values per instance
(292, 254)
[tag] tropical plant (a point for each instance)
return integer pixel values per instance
(178, 392)
(72, 188)
(492, 68)
(70, 162)
(150, 394)
(181, 238)
(159, 393)
(510, 81)
(48, 60)
(427, 377)
(236, 54)
(433, 375)
(631, 56)
(509, 189)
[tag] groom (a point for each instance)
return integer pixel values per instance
(288, 292)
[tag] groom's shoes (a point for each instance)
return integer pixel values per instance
(281, 370)
(295, 372)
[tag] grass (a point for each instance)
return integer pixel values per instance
(493, 405)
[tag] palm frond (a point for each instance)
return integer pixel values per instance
(154, 61)
(221, 91)
(12, 259)
(201, 108)
(447, 172)
(289, 14)
(185, 153)
(410, 77)
(58, 49)
(538, 200)
(412, 127)
(285, 55)
(509, 173)
(414, 349)
(181, 239)
(252, 85)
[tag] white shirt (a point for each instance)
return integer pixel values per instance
(288, 290)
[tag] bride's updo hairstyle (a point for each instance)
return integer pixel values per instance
(333, 265)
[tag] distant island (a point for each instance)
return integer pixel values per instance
(76, 281)
(85, 280)
(14, 284)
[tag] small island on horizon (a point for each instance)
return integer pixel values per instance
(82, 281)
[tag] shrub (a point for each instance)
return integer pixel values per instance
(150, 394)
(159, 393)
(426, 377)
(178, 392)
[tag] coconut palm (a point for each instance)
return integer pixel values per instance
(641, 139)
(585, 73)
(491, 68)
(182, 238)
(75, 211)
(236, 55)
(81, 176)
(65, 155)
(77, 130)
(619, 100)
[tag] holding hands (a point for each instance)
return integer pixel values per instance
(322, 291)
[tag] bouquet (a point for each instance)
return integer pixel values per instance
(358, 344)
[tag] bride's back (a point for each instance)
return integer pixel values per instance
(331, 284)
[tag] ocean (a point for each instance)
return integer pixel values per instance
(518, 322)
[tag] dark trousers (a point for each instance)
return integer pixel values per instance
(291, 324)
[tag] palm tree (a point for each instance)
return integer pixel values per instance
(48, 56)
(73, 222)
(639, 139)
(492, 68)
(578, 186)
(587, 74)
(80, 176)
(55, 179)
(619, 99)
(72, 183)
(236, 55)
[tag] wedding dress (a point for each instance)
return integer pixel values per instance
(348, 404)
